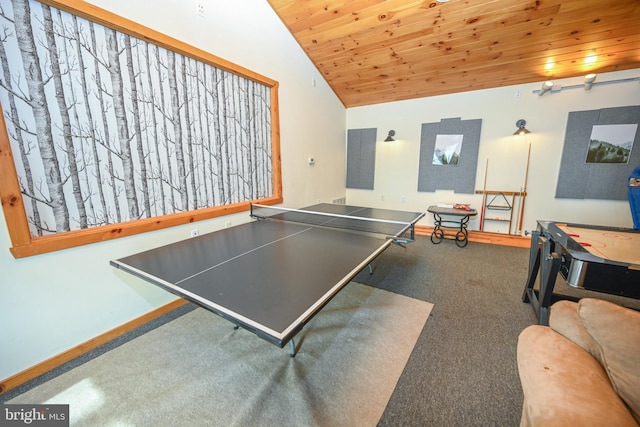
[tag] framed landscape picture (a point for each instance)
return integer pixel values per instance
(447, 150)
(611, 143)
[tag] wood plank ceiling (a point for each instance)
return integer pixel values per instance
(374, 51)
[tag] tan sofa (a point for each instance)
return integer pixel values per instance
(584, 368)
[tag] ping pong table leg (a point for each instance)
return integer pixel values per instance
(292, 348)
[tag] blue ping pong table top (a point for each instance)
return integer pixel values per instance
(269, 277)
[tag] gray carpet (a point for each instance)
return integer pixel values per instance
(196, 370)
(462, 371)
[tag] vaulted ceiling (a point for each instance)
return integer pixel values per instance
(374, 51)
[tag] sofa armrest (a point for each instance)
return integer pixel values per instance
(564, 385)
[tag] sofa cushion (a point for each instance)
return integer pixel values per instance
(565, 320)
(617, 331)
(564, 385)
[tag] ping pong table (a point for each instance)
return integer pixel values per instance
(273, 274)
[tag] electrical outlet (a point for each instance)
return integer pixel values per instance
(194, 232)
(517, 93)
(227, 224)
(403, 198)
(201, 9)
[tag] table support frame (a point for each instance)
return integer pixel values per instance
(543, 260)
(440, 224)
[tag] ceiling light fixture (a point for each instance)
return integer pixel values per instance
(546, 87)
(588, 80)
(586, 84)
(522, 130)
(390, 136)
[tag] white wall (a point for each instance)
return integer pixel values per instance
(396, 173)
(55, 301)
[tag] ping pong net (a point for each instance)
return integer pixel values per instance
(354, 221)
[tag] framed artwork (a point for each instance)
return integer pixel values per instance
(447, 150)
(611, 143)
(109, 129)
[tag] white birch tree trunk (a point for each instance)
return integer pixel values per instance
(122, 123)
(38, 103)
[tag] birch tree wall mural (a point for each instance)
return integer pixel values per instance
(107, 128)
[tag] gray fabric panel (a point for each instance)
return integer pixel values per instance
(574, 172)
(581, 180)
(426, 172)
(460, 178)
(466, 174)
(361, 158)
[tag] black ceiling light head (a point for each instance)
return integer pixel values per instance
(520, 124)
(390, 136)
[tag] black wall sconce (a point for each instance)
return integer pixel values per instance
(520, 124)
(390, 136)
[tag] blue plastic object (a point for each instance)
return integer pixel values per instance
(634, 197)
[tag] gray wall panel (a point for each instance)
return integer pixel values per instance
(361, 158)
(460, 178)
(578, 179)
